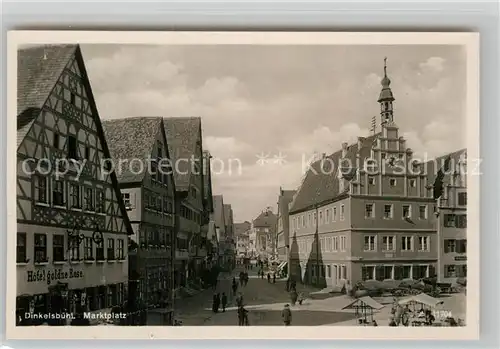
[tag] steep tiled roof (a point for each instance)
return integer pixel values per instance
(131, 138)
(219, 210)
(228, 214)
(321, 182)
(265, 219)
(432, 167)
(38, 69)
(182, 135)
(241, 228)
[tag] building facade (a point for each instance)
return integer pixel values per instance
(230, 248)
(148, 193)
(184, 140)
(451, 216)
(263, 235)
(72, 226)
(210, 235)
(365, 212)
(241, 232)
(220, 228)
(283, 225)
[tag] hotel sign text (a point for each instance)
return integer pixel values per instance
(53, 275)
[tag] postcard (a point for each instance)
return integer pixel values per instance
(244, 183)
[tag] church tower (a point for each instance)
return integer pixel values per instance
(386, 98)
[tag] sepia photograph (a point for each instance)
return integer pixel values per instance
(243, 179)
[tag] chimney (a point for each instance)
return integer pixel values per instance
(344, 149)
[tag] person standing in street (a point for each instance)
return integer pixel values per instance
(245, 275)
(286, 315)
(274, 277)
(234, 286)
(242, 316)
(268, 277)
(224, 302)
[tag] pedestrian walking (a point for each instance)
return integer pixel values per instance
(293, 296)
(286, 315)
(268, 277)
(242, 316)
(245, 278)
(274, 277)
(215, 306)
(224, 302)
(239, 300)
(234, 286)
(293, 285)
(241, 278)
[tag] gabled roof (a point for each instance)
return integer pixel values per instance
(266, 219)
(131, 138)
(432, 167)
(288, 194)
(322, 184)
(38, 69)
(241, 228)
(182, 137)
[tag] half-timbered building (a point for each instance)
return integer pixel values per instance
(184, 139)
(72, 226)
(138, 147)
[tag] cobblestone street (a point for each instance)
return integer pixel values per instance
(263, 300)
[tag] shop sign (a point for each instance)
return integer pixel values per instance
(461, 258)
(50, 276)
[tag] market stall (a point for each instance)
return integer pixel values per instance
(364, 308)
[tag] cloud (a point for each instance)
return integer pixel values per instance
(435, 64)
(271, 99)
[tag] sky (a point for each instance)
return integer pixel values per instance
(267, 110)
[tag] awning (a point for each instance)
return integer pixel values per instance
(367, 302)
(421, 298)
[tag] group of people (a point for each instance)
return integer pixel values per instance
(219, 301)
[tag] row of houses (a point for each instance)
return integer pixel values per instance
(379, 214)
(110, 213)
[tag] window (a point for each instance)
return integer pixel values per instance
(329, 271)
(388, 211)
(40, 248)
(406, 243)
(461, 246)
(55, 140)
(320, 217)
(89, 199)
(406, 211)
(121, 249)
(461, 221)
(327, 217)
(87, 153)
(392, 182)
(423, 243)
(367, 272)
(334, 214)
(462, 199)
(74, 249)
(420, 271)
(450, 271)
(111, 249)
(413, 183)
(422, 212)
(342, 212)
(314, 218)
(343, 272)
(309, 220)
(388, 243)
(75, 196)
(303, 221)
(73, 98)
(369, 211)
(99, 251)
(382, 155)
(343, 243)
(126, 200)
(369, 244)
(371, 180)
(58, 248)
(21, 248)
(99, 201)
(450, 246)
(88, 249)
(58, 192)
(41, 189)
(72, 148)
